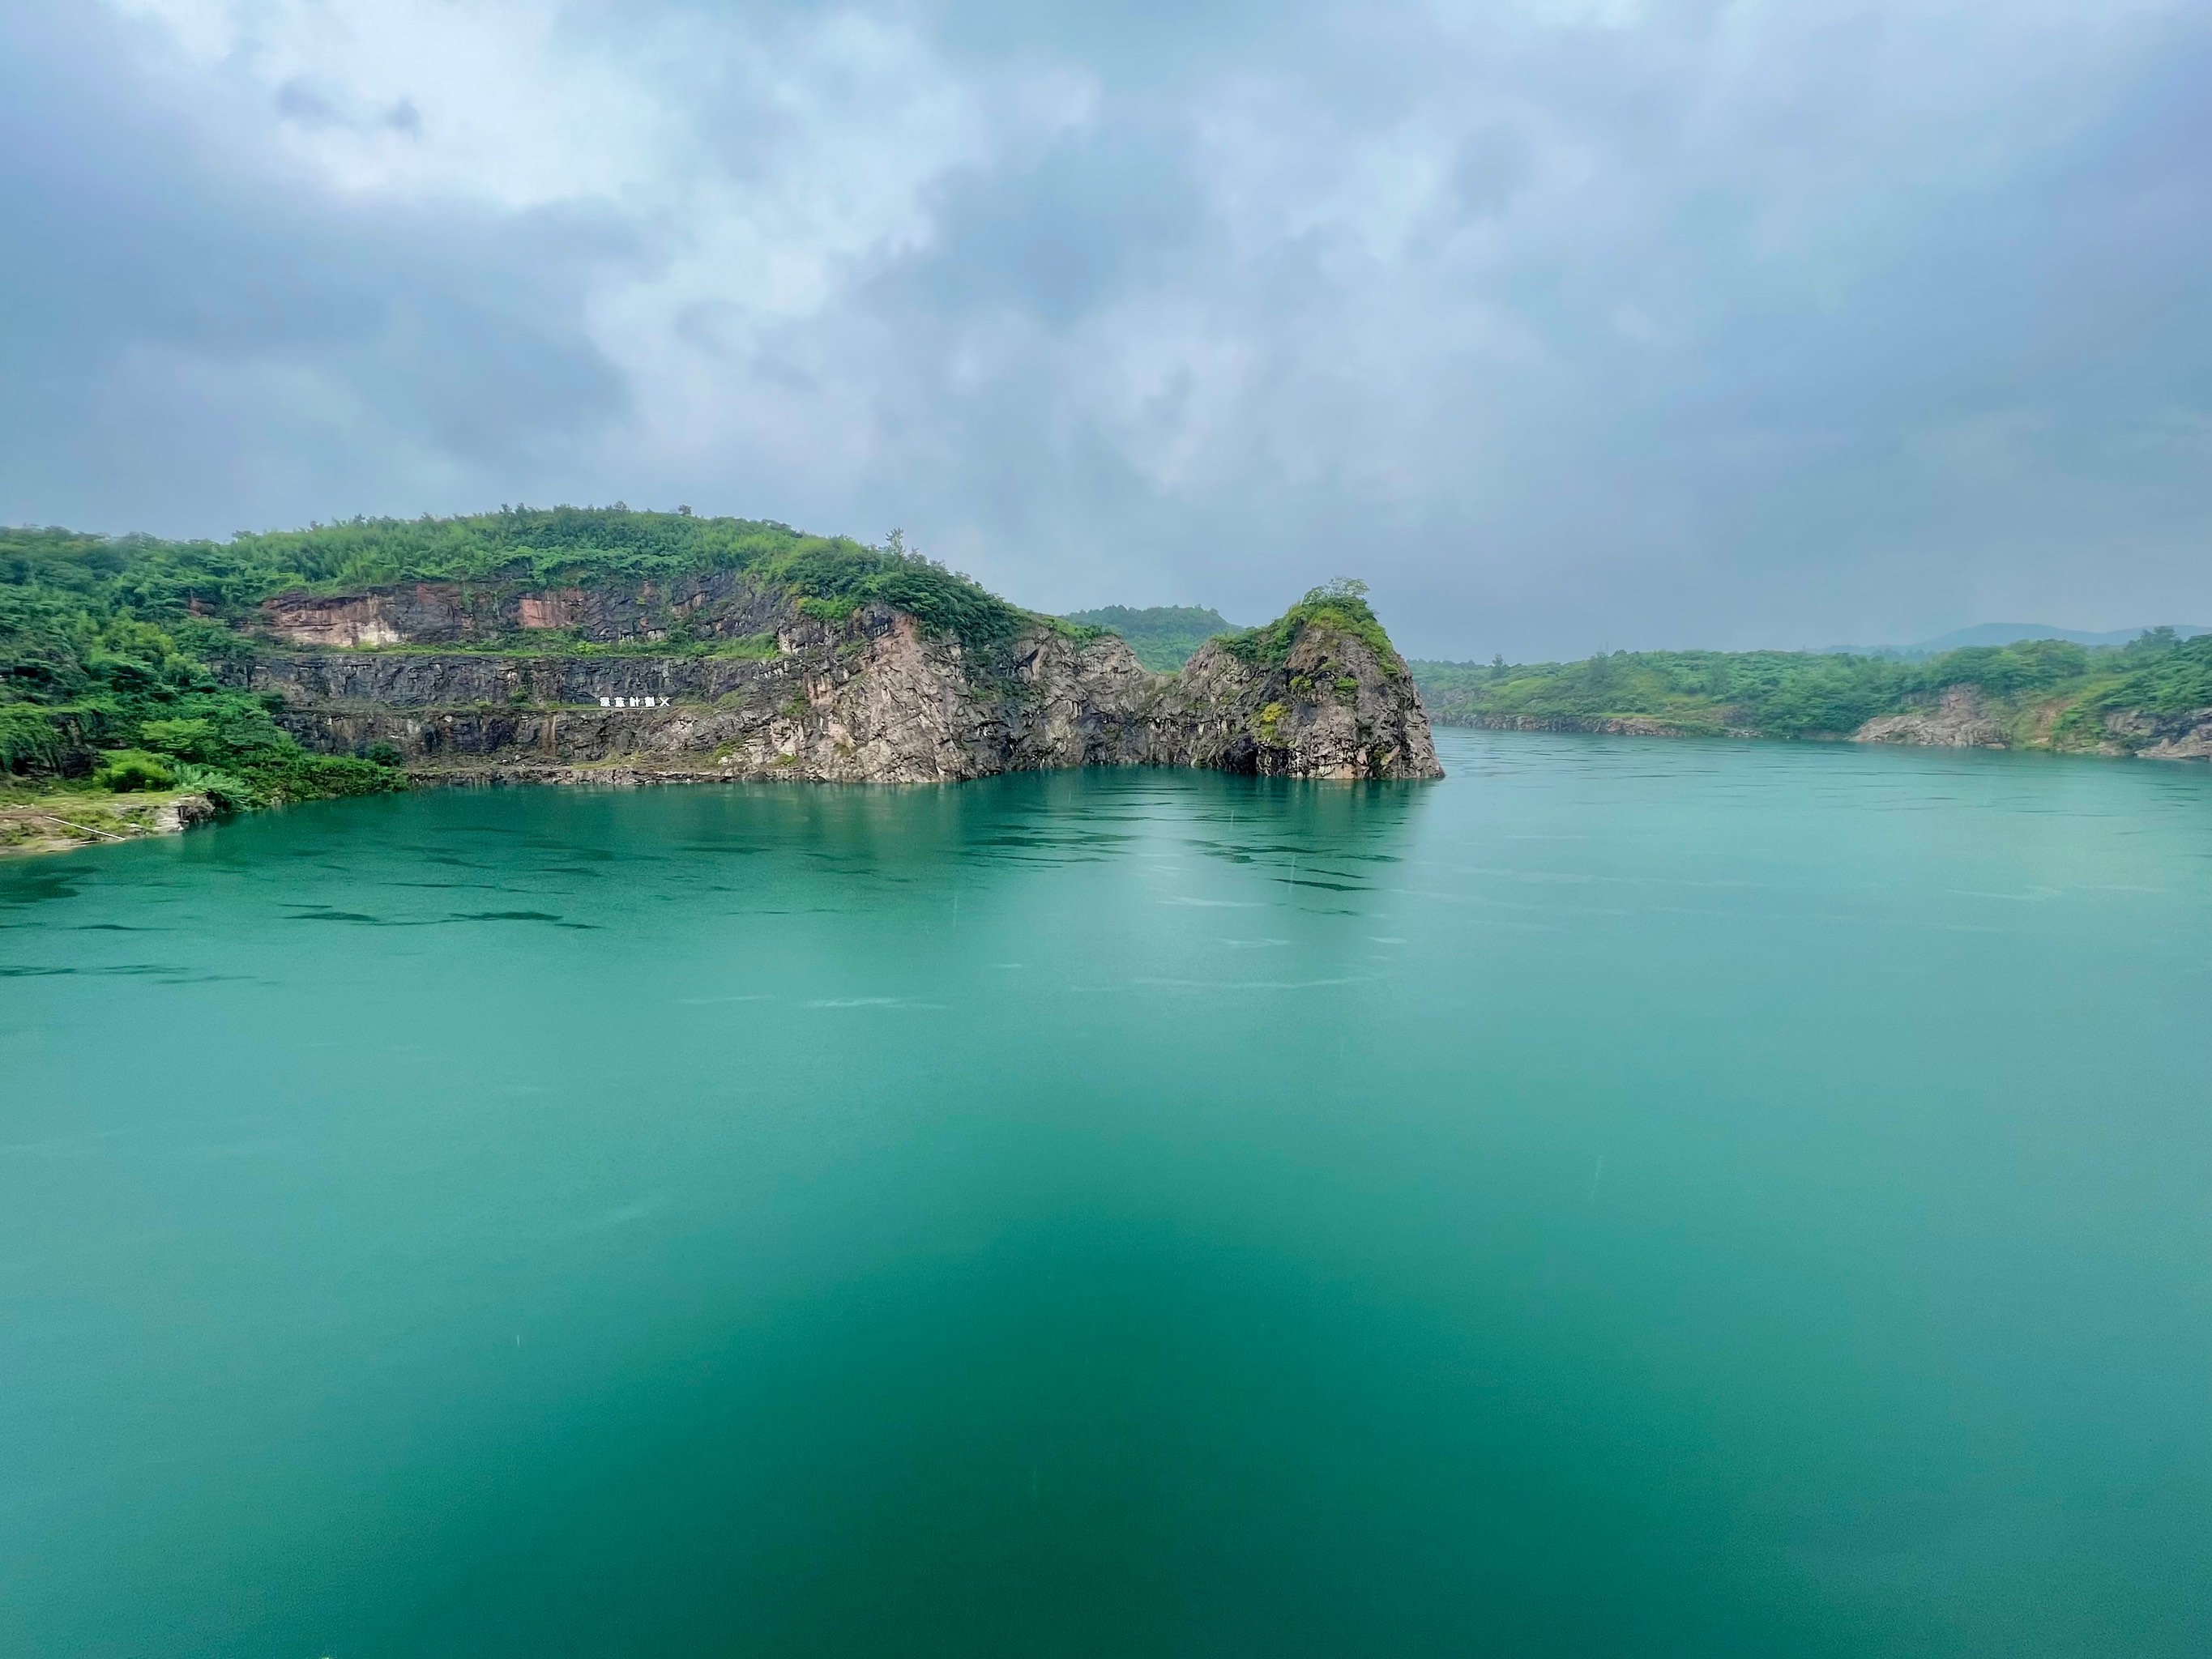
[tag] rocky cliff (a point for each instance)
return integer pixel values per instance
(2184, 735)
(754, 683)
(1960, 720)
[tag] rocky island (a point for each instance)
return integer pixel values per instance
(606, 645)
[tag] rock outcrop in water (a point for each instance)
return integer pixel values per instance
(765, 686)
(2187, 735)
(1339, 704)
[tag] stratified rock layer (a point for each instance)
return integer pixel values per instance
(870, 697)
(712, 605)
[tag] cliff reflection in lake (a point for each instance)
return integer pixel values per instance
(1625, 1198)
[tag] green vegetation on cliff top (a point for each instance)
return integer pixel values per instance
(1340, 604)
(1166, 637)
(529, 547)
(2047, 692)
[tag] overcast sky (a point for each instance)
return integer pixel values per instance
(1568, 324)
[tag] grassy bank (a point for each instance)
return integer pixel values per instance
(51, 819)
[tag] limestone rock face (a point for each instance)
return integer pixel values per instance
(1959, 721)
(2186, 736)
(869, 698)
(1334, 708)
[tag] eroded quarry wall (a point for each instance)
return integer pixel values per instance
(867, 697)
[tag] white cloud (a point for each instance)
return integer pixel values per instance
(497, 101)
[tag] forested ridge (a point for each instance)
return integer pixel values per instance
(2048, 692)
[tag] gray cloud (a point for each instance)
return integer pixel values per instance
(190, 350)
(1568, 324)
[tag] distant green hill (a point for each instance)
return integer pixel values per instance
(2045, 693)
(1163, 636)
(2013, 633)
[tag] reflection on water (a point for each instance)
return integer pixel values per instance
(1628, 1198)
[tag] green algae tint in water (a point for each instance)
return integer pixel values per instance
(1628, 1199)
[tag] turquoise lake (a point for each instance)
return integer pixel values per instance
(1629, 1198)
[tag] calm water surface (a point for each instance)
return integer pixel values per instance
(1629, 1198)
